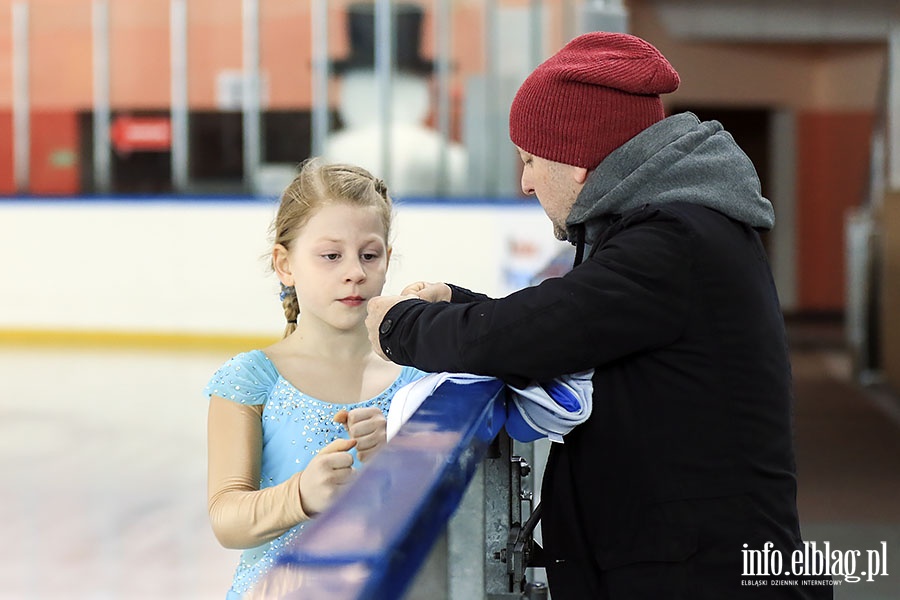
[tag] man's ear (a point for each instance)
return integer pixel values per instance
(580, 174)
(282, 265)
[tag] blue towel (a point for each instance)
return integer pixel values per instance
(549, 409)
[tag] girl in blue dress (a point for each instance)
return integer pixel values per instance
(289, 423)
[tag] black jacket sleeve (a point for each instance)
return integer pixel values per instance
(631, 295)
(460, 294)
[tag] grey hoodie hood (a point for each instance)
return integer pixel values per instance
(678, 159)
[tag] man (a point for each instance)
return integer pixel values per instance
(685, 470)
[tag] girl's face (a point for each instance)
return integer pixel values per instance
(337, 263)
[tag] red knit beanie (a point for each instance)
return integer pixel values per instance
(595, 94)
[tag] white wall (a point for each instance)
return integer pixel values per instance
(199, 267)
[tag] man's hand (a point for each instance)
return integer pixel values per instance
(325, 476)
(432, 292)
(377, 307)
(367, 426)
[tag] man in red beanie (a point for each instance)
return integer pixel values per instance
(682, 482)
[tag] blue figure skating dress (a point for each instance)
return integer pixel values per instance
(295, 426)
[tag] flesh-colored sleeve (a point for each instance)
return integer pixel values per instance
(242, 515)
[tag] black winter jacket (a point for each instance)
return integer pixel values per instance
(688, 453)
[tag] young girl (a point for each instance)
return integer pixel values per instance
(288, 423)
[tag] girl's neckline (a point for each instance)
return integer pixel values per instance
(310, 397)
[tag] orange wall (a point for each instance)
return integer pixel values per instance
(6, 75)
(7, 180)
(832, 173)
(54, 153)
(139, 54)
(61, 49)
(60, 61)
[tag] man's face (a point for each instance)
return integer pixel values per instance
(556, 186)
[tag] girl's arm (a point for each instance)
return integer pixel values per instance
(242, 515)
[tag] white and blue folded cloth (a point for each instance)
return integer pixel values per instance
(541, 410)
(549, 409)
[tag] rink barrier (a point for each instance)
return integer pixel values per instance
(371, 543)
(183, 243)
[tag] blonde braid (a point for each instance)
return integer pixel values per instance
(381, 188)
(291, 308)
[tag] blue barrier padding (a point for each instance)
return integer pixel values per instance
(372, 541)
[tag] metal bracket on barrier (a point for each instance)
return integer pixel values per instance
(520, 551)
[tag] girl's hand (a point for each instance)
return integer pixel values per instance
(326, 474)
(367, 427)
(376, 309)
(432, 292)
